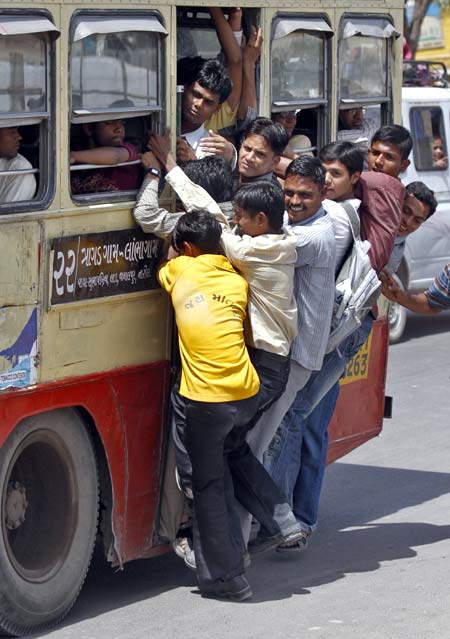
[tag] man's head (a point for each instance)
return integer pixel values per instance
(389, 150)
(343, 163)
(288, 119)
(260, 152)
(351, 118)
(9, 142)
(205, 91)
(213, 174)
(106, 133)
(419, 204)
(304, 188)
(258, 208)
(197, 233)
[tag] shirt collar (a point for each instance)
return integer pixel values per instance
(320, 213)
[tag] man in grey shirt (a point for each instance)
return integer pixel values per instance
(314, 290)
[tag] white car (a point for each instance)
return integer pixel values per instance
(426, 113)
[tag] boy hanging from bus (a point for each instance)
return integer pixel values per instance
(220, 389)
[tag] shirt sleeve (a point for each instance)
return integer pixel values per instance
(132, 150)
(382, 201)
(438, 293)
(150, 216)
(193, 196)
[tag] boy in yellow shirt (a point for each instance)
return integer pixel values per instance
(219, 386)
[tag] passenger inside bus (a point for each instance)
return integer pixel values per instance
(104, 143)
(14, 188)
(353, 126)
(440, 161)
(288, 119)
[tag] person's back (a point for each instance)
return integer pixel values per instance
(209, 300)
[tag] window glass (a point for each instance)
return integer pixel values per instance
(115, 69)
(298, 67)
(362, 67)
(22, 73)
(428, 132)
(192, 42)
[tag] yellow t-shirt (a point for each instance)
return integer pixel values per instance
(224, 117)
(210, 301)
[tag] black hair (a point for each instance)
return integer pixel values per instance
(213, 174)
(274, 133)
(210, 74)
(395, 134)
(422, 193)
(199, 228)
(350, 154)
(305, 166)
(265, 197)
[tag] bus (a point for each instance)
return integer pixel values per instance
(86, 332)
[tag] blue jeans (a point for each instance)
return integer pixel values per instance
(296, 457)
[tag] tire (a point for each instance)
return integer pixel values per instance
(397, 317)
(49, 512)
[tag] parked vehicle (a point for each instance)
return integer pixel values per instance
(426, 112)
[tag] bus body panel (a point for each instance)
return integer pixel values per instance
(128, 409)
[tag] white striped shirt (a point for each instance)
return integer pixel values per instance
(314, 288)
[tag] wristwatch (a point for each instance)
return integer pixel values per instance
(153, 171)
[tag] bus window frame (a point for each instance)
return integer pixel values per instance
(385, 102)
(418, 161)
(46, 168)
(322, 104)
(95, 115)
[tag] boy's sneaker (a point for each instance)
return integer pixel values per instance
(261, 544)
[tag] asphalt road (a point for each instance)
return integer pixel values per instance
(377, 568)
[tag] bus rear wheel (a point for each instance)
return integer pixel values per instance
(49, 511)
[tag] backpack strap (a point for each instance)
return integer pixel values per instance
(353, 219)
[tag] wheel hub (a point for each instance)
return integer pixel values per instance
(16, 505)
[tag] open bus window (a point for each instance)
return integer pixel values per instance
(25, 54)
(116, 81)
(364, 76)
(299, 63)
(428, 132)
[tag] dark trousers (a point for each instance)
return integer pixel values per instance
(220, 475)
(273, 372)
(218, 542)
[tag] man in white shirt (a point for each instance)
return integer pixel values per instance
(14, 188)
(203, 96)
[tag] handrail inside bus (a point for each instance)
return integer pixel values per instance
(19, 172)
(83, 167)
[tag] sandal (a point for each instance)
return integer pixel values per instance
(298, 545)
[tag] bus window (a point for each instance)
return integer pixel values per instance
(428, 131)
(116, 84)
(364, 77)
(25, 54)
(299, 63)
(196, 34)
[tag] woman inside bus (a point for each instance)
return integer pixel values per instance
(104, 143)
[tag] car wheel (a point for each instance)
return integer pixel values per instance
(397, 317)
(49, 510)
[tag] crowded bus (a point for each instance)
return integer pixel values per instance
(92, 112)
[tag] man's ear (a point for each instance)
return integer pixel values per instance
(276, 161)
(404, 165)
(261, 218)
(355, 177)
